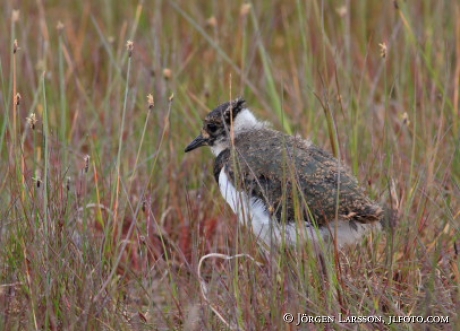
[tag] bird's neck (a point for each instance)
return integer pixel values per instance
(245, 120)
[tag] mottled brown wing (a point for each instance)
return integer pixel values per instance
(295, 179)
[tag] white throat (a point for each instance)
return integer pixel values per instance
(218, 147)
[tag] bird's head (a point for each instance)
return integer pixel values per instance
(218, 124)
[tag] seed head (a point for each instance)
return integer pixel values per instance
(86, 159)
(32, 120)
(167, 73)
(59, 26)
(341, 11)
(383, 50)
(245, 9)
(211, 22)
(171, 97)
(150, 101)
(130, 47)
(15, 46)
(405, 119)
(15, 16)
(37, 179)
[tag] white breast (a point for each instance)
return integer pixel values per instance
(253, 212)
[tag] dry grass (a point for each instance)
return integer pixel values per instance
(113, 241)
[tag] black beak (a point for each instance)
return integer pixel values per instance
(198, 142)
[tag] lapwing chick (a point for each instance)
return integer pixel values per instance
(284, 187)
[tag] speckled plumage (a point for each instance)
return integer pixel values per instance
(295, 180)
(279, 169)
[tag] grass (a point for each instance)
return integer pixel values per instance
(114, 241)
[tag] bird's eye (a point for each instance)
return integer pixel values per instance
(211, 127)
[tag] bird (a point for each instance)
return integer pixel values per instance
(284, 187)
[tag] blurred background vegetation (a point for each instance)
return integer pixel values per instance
(103, 219)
